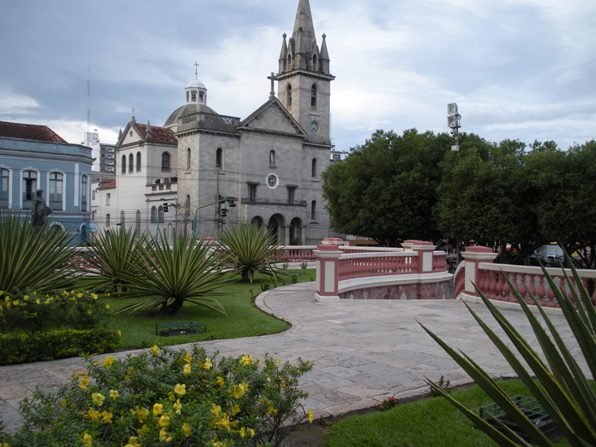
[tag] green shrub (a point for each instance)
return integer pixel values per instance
(40, 312)
(168, 398)
(55, 344)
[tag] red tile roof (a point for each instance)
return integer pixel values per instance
(29, 132)
(159, 134)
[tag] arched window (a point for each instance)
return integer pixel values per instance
(4, 187)
(160, 214)
(313, 96)
(187, 206)
(153, 214)
(314, 168)
(219, 158)
(165, 162)
(84, 192)
(122, 218)
(272, 159)
(289, 95)
(107, 220)
(138, 223)
(188, 159)
(123, 164)
(131, 162)
(314, 61)
(56, 190)
(138, 161)
(289, 61)
(313, 210)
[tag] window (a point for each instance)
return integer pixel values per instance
(291, 194)
(122, 218)
(313, 210)
(107, 221)
(4, 188)
(271, 159)
(131, 162)
(314, 61)
(219, 158)
(165, 162)
(160, 214)
(187, 206)
(314, 168)
(313, 97)
(193, 96)
(153, 214)
(188, 159)
(124, 164)
(108, 197)
(252, 192)
(138, 223)
(289, 95)
(56, 190)
(84, 191)
(186, 96)
(289, 61)
(138, 161)
(29, 188)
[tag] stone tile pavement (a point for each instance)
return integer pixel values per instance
(363, 350)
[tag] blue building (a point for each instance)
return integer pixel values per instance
(34, 157)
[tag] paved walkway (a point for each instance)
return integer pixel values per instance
(363, 350)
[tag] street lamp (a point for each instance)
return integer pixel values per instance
(453, 121)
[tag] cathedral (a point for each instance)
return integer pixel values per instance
(203, 170)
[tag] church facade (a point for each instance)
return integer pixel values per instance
(210, 170)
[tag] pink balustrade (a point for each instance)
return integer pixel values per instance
(296, 254)
(366, 265)
(439, 261)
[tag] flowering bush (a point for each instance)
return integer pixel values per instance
(36, 311)
(167, 398)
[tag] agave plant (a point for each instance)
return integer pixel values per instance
(167, 276)
(559, 384)
(33, 259)
(248, 249)
(111, 256)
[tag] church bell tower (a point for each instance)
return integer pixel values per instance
(303, 79)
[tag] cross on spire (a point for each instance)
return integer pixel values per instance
(272, 92)
(196, 64)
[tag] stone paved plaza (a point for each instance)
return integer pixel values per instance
(363, 350)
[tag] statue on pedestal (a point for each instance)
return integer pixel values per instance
(40, 211)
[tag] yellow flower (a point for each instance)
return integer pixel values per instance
(177, 406)
(141, 413)
(163, 434)
(37, 301)
(154, 350)
(246, 360)
(87, 440)
(63, 403)
(133, 441)
(223, 422)
(220, 381)
(207, 365)
(106, 417)
(164, 421)
(187, 429)
(187, 369)
(97, 399)
(119, 333)
(235, 410)
(239, 390)
(114, 394)
(108, 361)
(93, 296)
(180, 389)
(215, 410)
(93, 414)
(79, 295)
(247, 433)
(157, 409)
(25, 297)
(219, 444)
(271, 410)
(89, 312)
(107, 307)
(310, 416)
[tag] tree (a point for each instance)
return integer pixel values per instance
(386, 188)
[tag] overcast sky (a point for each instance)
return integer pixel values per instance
(523, 69)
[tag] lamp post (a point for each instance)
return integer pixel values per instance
(220, 213)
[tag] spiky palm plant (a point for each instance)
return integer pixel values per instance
(167, 276)
(559, 384)
(33, 259)
(248, 249)
(110, 260)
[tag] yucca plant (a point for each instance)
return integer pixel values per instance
(248, 249)
(558, 384)
(167, 276)
(110, 260)
(33, 259)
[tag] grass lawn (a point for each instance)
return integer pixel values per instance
(243, 318)
(431, 422)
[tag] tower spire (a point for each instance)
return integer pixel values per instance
(304, 24)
